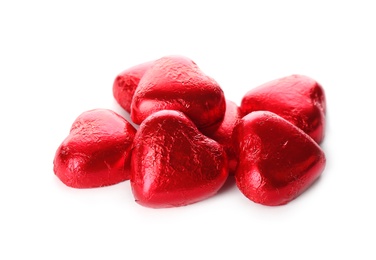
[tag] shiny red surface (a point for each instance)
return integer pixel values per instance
(126, 82)
(96, 152)
(223, 133)
(173, 164)
(277, 160)
(177, 83)
(297, 98)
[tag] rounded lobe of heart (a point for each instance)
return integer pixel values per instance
(176, 83)
(222, 133)
(97, 150)
(126, 82)
(173, 164)
(297, 98)
(277, 160)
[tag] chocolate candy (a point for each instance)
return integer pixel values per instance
(126, 82)
(222, 132)
(97, 150)
(191, 138)
(173, 164)
(177, 83)
(277, 160)
(297, 98)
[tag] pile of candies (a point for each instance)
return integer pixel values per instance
(189, 138)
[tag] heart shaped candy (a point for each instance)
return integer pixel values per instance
(277, 160)
(297, 98)
(176, 83)
(173, 164)
(97, 150)
(126, 82)
(222, 133)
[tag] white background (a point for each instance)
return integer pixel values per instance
(59, 59)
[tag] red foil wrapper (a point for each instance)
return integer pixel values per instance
(173, 164)
(126, 82)
(222, 133)
(297, 98)
(277, 160)
(97, 150)
(177, 83)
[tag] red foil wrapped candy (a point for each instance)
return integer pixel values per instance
(277, 160)
(222, 133)
(173, 164)
(297, 98)
(97, 150)
(177, 83)
(126, 82)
